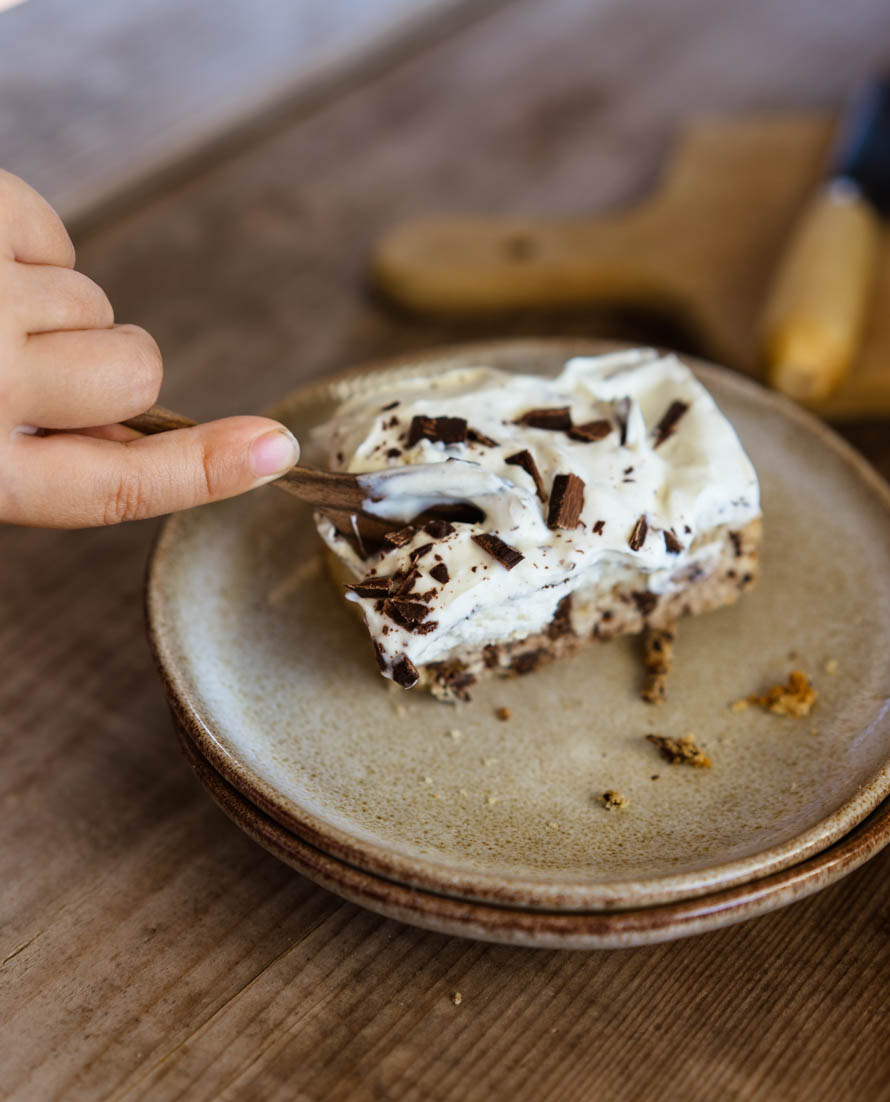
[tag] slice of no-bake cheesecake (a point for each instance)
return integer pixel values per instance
(616, 496)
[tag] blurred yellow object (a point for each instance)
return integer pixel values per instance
(816, 308)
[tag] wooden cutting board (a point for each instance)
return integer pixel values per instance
(701, 250)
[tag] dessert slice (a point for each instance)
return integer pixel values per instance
(614, 497)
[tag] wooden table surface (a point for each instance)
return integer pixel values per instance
(151, 951)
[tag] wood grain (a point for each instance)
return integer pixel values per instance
(150, 951)
(101, 99)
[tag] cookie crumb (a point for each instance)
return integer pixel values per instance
(796, 698)
(739, 705)
(492, 800)
(831, 666)
(612, 800)
(503, 713)
(681, 751)
(456, 734)
(427, 780)
(553, 825)
(658, 656)
(401, 711)
(457, 998)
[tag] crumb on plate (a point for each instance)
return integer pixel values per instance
(681, 751)
(795, 698)
(658, 656)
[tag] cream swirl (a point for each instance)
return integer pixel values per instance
(662, 469)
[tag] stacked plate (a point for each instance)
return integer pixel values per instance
(460, 821)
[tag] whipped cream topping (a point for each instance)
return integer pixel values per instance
(635, 471)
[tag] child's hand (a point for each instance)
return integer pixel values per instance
(65, 366)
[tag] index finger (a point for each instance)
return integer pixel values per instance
(30, 230)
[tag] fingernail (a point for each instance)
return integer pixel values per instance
(273, 453)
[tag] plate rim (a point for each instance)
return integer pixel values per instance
(581, 930)
(486, 886)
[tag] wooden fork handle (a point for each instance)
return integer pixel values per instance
(159, 419)
(333, 490)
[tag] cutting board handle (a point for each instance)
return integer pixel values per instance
(461, 266)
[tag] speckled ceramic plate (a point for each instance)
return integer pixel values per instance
(548, 929)
(275, 682)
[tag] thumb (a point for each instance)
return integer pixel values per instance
(72, 481)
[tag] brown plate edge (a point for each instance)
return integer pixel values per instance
(543, 929)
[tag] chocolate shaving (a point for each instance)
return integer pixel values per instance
(590, 431)
(526, 460)
(638, 535)
(644, 600)
(528, 662)
(668, 424)
(387, 408)
(419, 552)
(506, 555)
(491, 656)
(402, 584)
(379, 655)
(440, 573)
(371, 587)
(671, 543)
(403, 610)
(736, 543)
(561, 624)
(438, 529)
(393, 453)
(400, 537)
(557, 420)
(477, 437)
(598, 527)
(409, 615)
(446, 430)
(404, 672)
(566, 501)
